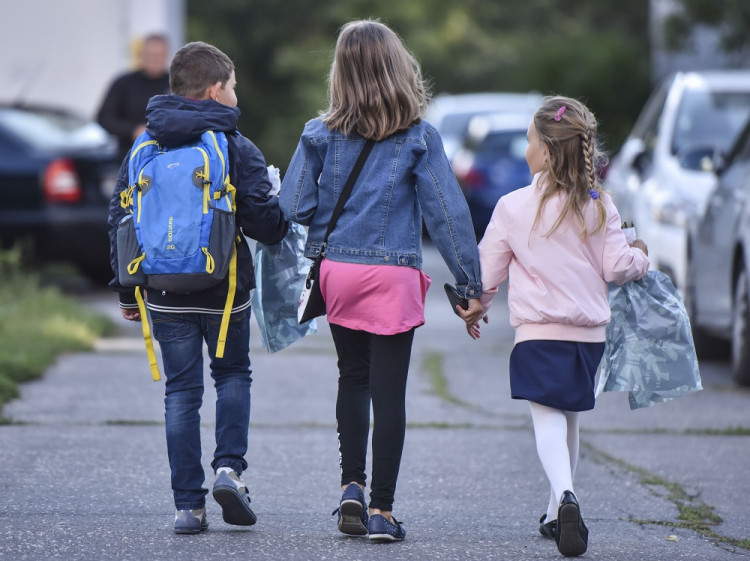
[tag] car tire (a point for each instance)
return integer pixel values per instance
(741, 330)
(707, 347)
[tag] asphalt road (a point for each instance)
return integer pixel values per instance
(84, 474)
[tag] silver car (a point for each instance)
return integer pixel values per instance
(663, 174)
(451, 114)
(719, 264)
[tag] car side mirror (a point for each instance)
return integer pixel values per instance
(698, 158)
(720, 162)
(641, 162)
(633, 155)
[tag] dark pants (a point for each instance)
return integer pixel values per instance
(372, 367)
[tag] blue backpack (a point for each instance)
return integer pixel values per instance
(180, 233)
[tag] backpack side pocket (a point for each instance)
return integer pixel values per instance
(221, 241)
(129, 254)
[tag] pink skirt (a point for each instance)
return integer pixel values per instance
(380, 299)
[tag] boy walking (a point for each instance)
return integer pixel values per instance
(202, 80)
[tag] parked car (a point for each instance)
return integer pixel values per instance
(492, 162)
(663, 173)
(451, 114)
(718, 281)
(57, 174)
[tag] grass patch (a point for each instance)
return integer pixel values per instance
(133, 423)
(692, 514)
(37, 324)
(433, 365)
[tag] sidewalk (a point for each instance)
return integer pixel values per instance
(84, 474)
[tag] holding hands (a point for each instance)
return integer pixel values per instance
(471, 316)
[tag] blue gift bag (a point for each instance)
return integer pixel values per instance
(280, 273)
(649, 350)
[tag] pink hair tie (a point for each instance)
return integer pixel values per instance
(560, 112)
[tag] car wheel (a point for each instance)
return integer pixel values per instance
(707, 347)
(741, 330)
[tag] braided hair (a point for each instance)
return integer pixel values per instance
(568, 130)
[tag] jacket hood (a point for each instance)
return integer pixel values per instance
(174, 120)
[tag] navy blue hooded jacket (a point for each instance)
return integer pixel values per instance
(173, 121)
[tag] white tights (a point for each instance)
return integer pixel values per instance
(556, 435)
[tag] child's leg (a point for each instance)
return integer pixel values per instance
(388, 372)
(181, 342)
(572, 418)
(572, 439)
(551, 433)
(232, 380)
(353, 401)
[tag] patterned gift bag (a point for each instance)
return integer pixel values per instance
(649, 350)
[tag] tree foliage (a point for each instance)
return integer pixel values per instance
(731, 18)
(283, 50)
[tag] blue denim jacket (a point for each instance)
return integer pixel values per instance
(406, 178)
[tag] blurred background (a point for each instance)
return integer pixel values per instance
(67, 53)
(668, 80)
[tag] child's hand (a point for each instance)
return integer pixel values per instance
(473, 330)
(640, 244)
(131, 314)
(473, 314)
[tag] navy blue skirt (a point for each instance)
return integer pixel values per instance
(557, 374)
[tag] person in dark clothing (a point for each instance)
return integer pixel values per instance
(203, 80)
(123, 111)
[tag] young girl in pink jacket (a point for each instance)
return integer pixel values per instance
(558, 242)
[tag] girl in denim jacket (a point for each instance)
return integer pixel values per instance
(371, 276)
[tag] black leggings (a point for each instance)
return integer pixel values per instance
(372, 367)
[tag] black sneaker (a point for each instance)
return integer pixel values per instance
(231, 493)
(352, 511)
(571, 534)
(383, 530)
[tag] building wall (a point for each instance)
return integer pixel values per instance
(66, 53)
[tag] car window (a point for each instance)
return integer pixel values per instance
(505, 144)
(710, 119)
(46, 130)
(455, 124)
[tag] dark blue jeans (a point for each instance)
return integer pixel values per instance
(181, 337)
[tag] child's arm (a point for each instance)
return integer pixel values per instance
(621, 262)
(495, 254)
(299, 189)
(446, 214)
(258, 212)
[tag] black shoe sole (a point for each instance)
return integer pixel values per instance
(234, 508)
(350, 522)
(570, 542)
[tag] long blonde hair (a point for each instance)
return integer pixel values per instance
(568, 129)
(376, 85)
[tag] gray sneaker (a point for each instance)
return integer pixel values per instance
(190, 521)
(231, 493)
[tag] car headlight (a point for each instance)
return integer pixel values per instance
(673, 212)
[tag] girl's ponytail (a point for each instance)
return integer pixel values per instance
(568, 130)
(587, 143)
